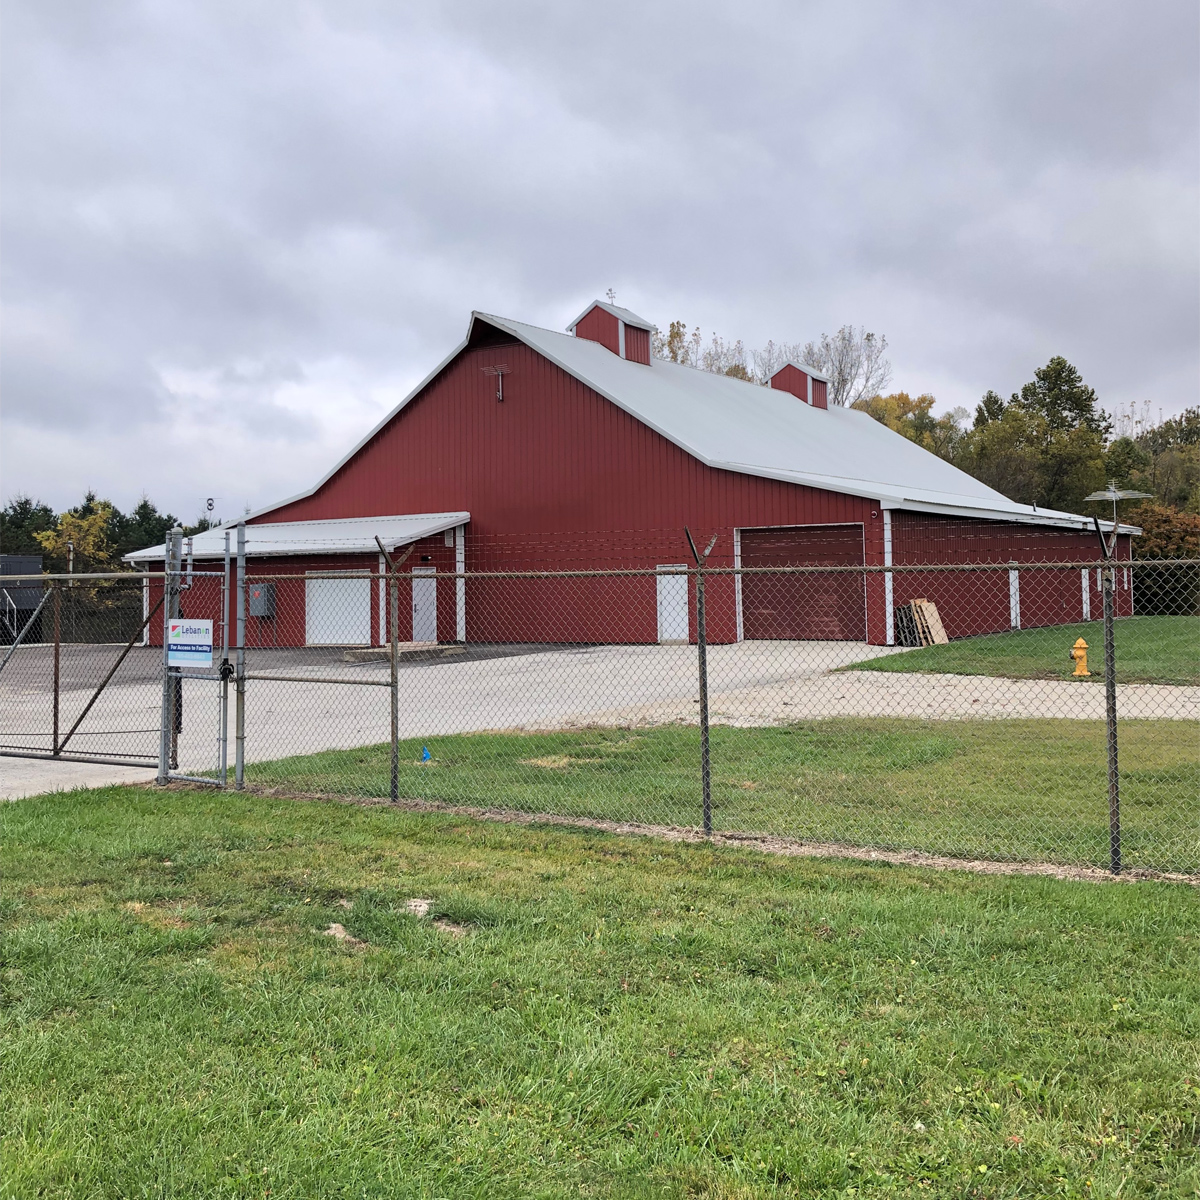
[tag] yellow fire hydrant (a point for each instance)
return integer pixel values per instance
(1079, 654)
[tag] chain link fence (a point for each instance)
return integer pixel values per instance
(981, 732)
(990, 718)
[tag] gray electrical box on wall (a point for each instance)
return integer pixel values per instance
(262, 600)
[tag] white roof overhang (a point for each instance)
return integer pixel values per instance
(353, 535)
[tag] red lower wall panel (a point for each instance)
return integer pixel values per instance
(971, 603)
(623, 609)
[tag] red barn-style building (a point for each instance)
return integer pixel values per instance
(528, 450)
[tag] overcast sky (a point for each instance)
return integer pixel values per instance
(234, 235)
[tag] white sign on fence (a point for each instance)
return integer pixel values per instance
(189, 643)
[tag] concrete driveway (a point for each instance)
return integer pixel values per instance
(343, 704)
(32, 777)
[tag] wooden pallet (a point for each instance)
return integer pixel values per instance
(918, 623)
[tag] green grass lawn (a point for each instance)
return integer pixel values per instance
(1148, 650)
(1024, 789)
(622, 1017)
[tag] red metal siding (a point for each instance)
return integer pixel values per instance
(978, 602)
(808, 607)
(790, 379)
(558, 478)
(637, 345)
(555, 463)
(600, 326)
(820, 394)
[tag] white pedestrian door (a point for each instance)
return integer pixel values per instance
(337, 610)
(673, 604)
(424, 592)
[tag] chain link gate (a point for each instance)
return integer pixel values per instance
(85, 678)
(85, 641)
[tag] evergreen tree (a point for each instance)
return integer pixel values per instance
(1059, 396)
(1046, 445)
(21, 519)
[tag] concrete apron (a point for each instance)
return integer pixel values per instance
(606, 685)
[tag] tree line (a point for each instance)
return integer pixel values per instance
(1050, 444)
(92, 536)
(851, 358)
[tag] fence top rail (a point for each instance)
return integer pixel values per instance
(895, 568)
(130, 575)
(649, 572)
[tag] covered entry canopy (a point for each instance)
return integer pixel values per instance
(354, 535)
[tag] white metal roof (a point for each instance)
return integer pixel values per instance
(734, 425)
(354, 535)
(738, 426)
(622, 314)
(791, 362)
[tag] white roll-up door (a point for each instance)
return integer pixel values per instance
(337, 610)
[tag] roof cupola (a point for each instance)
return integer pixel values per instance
(805, 383)
(616, 329)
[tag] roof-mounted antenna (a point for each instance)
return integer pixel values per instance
(499, 371)
(1113, 494)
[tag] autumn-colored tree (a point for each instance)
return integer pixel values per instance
(677, 345)
(913, 417)
(80, 540)
(96, 532)
(1167, 533)
(719, 357)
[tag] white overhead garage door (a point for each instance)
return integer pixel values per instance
(337, 610)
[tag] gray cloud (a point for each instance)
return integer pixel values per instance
(234, 235)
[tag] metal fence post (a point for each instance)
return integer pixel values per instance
(170, 609)
(702, 647)
(57, 663)
(1110, 715)
(394, 565)
(393, 641)
(239, 753)
(224, 669)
